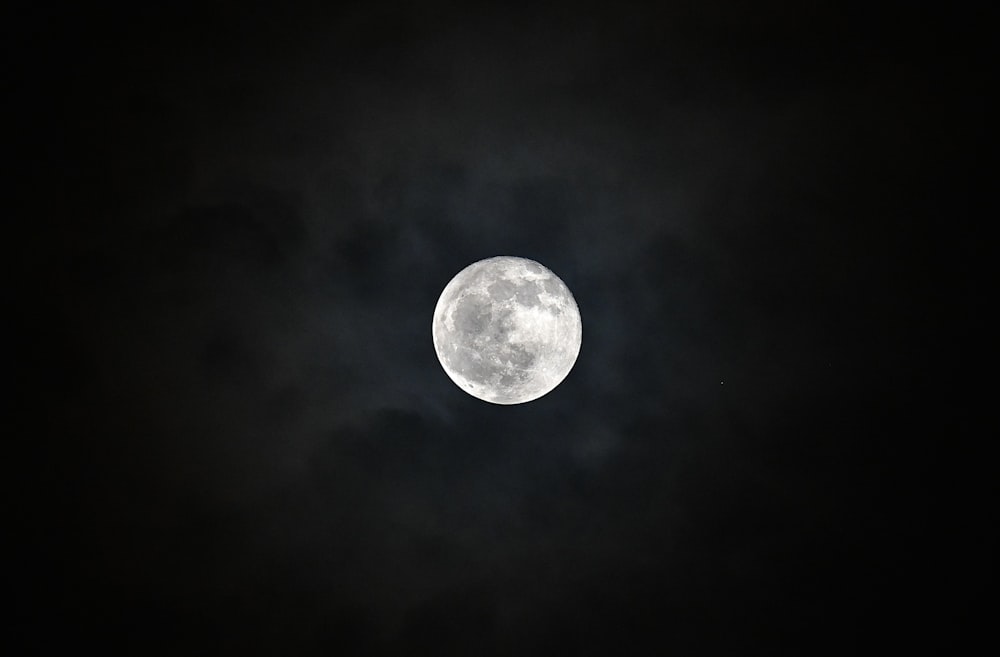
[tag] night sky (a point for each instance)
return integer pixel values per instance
(230, 432)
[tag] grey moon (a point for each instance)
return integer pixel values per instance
(507, 330)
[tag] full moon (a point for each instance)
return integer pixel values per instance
(507, 330)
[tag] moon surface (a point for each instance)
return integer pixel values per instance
(507, 330)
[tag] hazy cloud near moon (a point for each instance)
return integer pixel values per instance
(290, 282)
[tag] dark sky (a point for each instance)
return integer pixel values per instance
(231, 433)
